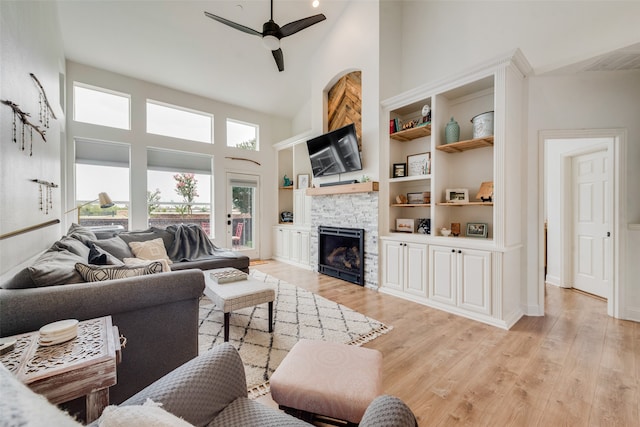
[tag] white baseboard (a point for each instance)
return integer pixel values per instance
(553, 280)
(632, 313)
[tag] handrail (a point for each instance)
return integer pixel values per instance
(28, 229)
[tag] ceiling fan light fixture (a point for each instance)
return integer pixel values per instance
(271, 42)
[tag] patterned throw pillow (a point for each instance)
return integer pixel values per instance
(94, 273)
(150, 250)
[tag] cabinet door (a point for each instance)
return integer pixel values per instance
(393, 265)
(282, 242)
(474, 280)
(415, 269)
(305, 248)
(299, 250)
(294, 248)
(301, 208)
(442, 274)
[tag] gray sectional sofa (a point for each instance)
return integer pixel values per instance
(157, 313)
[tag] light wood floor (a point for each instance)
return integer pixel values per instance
(573, 367)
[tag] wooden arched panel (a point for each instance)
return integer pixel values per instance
(344, 104)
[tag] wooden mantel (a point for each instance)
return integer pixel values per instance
(361, 187)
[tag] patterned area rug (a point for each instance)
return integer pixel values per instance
(298, 314)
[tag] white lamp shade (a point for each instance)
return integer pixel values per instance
(271, 42)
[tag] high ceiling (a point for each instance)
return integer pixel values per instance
(173, 44)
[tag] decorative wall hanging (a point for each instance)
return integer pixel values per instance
(46, 196)
(242, 158)
(26, 127)
(46, 112)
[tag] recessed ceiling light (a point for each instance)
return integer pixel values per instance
(315, 3)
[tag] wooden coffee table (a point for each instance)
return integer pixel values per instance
(240, 294)
(83, 366)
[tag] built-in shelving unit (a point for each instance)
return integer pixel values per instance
(412, 133)
(471, 144)
(476, 274)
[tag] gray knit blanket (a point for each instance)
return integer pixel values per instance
(191, 243)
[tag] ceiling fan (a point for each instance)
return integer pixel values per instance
(272, 32)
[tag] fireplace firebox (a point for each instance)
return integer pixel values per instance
(341, 253)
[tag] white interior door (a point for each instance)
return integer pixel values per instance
(243, 219)
(592, 205)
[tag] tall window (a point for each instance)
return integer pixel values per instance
(102, 167)
(179, 189)
(100, 106)
(178, 122)
(242, 135)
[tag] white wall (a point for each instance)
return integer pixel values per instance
(590, 100)
(352, 45)
(272, 129)
(444, 36)
(440, 38)
(30, 42)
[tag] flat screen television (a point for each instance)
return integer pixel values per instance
(335, 152)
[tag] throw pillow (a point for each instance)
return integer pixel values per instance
(150, 250)
(73, 245)
(147, 414)
(115, 246)
(81, 233)
(98, 256)
(21, 280)
(97, 273)
(55, 267)
(148, 234)
(139, 262)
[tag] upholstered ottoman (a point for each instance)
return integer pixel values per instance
(318, 378)
(236, 295)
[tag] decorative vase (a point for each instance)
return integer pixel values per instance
(452, 131)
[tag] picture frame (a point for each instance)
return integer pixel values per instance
(399, 170)
(405, 225)
(415, 198)
(477, 229)
(419, 164)
(424, 226)
(457, 195)
(303, 180)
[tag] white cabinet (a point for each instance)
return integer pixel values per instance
(461, 278)
(300, 247)
(292, 245)
(405, 267)
(282, 239)
(468, 275)
(301, 208)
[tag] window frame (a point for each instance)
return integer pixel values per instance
(104, 91)
(180, 108)
(244, 123)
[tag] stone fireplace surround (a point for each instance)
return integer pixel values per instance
(353, 210)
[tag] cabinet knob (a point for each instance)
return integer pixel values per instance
(453, 251)
(459, 251)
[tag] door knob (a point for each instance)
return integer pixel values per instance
(608, 234)
(229, 222)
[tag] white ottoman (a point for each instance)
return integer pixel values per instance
(236, 295)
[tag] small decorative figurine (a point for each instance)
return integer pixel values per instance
(287, 181)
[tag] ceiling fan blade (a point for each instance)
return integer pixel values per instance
(301, 24)
(233, 24)
(277, 55)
